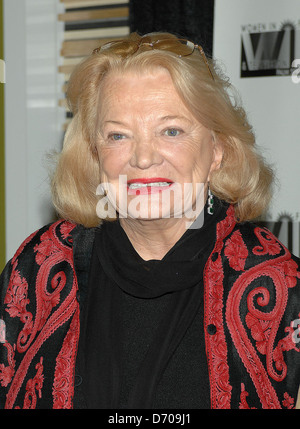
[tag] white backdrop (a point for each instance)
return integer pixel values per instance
(272, 102)
(33, 120)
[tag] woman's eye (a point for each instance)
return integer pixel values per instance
(116, 136)
(172, 132)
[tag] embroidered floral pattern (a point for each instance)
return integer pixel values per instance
(213, 315)
(243, 399)
(16, 300)
(65, 366)
(260, 332)
(7, 372)
(242, 341)
(236, 251)
(269, 243)
(53, 309)
(288, 401)
(284, 345)
(262, 320)
(66, 229)
(16, 297)
(47, 247)
(264, 325)
(33, 385)
(290, 271)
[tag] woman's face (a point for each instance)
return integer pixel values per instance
(155, 156)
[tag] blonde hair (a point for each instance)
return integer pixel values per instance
(243, 179)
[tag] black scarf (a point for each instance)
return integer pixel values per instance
(118, 271)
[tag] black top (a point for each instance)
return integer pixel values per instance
(142, 339)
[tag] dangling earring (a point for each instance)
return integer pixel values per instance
(210, 201)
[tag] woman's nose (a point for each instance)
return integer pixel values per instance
(145, 154)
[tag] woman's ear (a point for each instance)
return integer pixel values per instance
(218, 151)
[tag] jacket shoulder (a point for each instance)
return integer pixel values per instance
(38, 298)
(34, 250)
(250, 245)
(55, 232)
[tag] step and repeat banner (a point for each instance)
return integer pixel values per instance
(258, 44)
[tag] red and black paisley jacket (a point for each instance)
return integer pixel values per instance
(251, 318)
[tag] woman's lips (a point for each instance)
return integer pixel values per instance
(145, 186)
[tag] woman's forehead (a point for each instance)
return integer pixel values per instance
(144, 92)
(133, 76)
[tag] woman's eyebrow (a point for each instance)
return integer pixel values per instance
(110, 121)
(160, 119)
(171, 117)
(163, 118)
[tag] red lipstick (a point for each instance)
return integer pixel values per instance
(149, 180)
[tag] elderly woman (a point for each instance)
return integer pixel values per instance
(153, 290)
